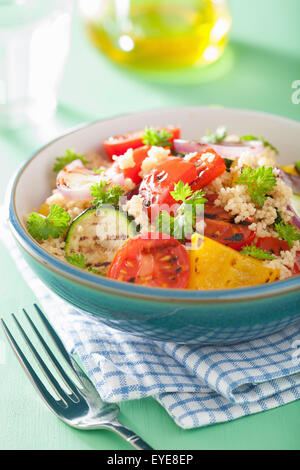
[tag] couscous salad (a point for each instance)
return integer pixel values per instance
(160, 211)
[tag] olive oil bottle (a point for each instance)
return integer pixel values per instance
(158, 34)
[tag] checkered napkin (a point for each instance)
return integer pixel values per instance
(197, 385)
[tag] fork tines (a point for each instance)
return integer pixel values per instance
(64, 397)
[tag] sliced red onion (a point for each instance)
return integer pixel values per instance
(113, 177)
(232, 150)
(75, 180)
(225, 149)
(296, 219)
(291, 180)
(185, 146)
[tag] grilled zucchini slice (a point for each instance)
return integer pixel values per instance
(98, 234)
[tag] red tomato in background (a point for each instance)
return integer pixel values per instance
(151, 260)
(156, 186)
(220, 226)
(119, 144)
(209, 167)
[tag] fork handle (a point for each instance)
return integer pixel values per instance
(129, 436)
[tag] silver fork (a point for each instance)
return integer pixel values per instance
(81, 407)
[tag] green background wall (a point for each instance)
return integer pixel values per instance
(272, 24)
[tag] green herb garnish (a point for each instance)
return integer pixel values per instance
(98, 170)
(158, 138)
(94, 271)
(54, 225)
(297, 167)
(256, 252)
(78, 260)
(103, 194)
(183, 224)
(214, 137)
(259, 182)
(178, 154)
(279, 218)
(165, 223)
(69, 157)
(181, 191)
(248, 138)
(228, 163)
(287, 232)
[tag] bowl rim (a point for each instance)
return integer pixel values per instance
(32, 248)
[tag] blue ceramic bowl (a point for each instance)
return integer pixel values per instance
(181, 316)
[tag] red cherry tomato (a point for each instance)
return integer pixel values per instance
(274, 245)
(220, 226)
(209, 167)
(152, 260)
(296, 269)
(119, 144)
(156, 186)
(114, 170)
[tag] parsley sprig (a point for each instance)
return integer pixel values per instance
(80, 261)
(259, 182)
(181, 191)
(214, 137)
(54, 225)
(103, 194)
(228, 163)
(257, 252)
(183, 224)
(248, 138)
(156, 137)
(77, 259)
(69, 157)
(287, 232)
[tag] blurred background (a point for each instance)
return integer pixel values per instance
(98, 58)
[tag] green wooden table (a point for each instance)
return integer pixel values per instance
(256, 73)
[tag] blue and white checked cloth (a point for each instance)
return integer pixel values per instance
(197, 385)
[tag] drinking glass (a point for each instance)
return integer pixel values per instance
(158, 33)
(34, 45)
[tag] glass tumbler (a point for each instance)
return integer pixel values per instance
(158, 33)
(34, 45)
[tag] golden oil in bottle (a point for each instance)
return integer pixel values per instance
(159, 33)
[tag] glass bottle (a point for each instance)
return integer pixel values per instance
(158, 33)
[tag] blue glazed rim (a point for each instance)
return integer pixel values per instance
(126, 289)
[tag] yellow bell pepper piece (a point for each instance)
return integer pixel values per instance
(215, 266)
(44, 210)
(290, 169)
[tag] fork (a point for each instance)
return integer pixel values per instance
(81, 407)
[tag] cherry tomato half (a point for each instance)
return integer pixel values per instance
(274, 245)
(152, 260)
(156, 186)
(119, 144)
(209, 167)
(296, 269)
(220, 226)
(139, 156)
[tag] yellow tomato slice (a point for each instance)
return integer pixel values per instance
(215, 266)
